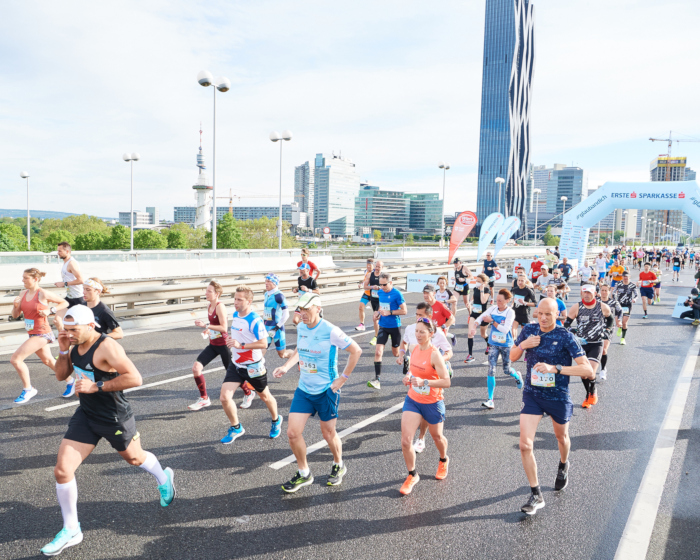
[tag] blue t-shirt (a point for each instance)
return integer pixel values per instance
(275, 304)
(318, 355)
(557, 347)
(490, 268)
(390, 301)
(565, 269)
(562, 307)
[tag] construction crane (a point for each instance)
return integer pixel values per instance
(670, 141)
(231, 196)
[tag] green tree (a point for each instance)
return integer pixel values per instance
(550, 239)
(149, 239)
(56, 237)
(14, 234)
(119, 237)
(410, 239)
(377, 235)
(262, 234)
(39, 245)
(91, 241)
(77, 225)
(177, 239)
(228, 234)
(7, 244)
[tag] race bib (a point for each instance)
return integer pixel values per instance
(28, 324)
(89, 374)
(375, 293)
(519, 300)
(213, 335)
(267, 314)
(476, 308)
(308, 368)
(492, 278)
(626, 310)
(498, 337)
(256, 370)
(459, 287)
(543, 379)
(424, 390)
(384, 307)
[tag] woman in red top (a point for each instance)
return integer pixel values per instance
(33, 303)
(426, 380)
(314, 272)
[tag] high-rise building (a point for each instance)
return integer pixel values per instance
(571, 182)
(304, 190)
(141, 219)
(336, 184)
(504, 139)
(187, 214)
(387, 211)
(662, 169)
(425, 212)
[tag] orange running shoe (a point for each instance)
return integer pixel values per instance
(442, 469)
(593, 399)
(409, 483)
(587, 402)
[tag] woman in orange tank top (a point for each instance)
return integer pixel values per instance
(427, 378)
(35, 304)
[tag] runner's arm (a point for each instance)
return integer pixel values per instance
(111, 356)
(64, 367)
(400, 311)
(53, 298)
(117, 333)
(17, 304)
(289, 364)
(507, 323)
(74, 268)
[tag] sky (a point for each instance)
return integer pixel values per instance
(393, 85)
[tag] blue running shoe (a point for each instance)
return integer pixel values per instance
(167, 490)
(232, 434)
(70, 390)
(518, 378)
(276, 428)
(64, 539)
(26, 395)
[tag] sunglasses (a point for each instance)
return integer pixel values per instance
(385, 284)
(425, 321)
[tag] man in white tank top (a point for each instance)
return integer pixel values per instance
(72, 280)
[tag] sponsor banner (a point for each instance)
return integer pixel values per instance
(463, 225)
(416, 282)
(491, 226)
(509, 227)
(680, 308)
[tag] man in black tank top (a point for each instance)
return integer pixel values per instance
(374, 286)
(103, 372)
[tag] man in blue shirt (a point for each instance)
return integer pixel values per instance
(550, 351)
(490, 267)
(318, 342)
(275, 315)
(391, 306)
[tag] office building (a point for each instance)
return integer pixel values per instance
(187, 214)
(387, 211)
(141, 219)
(504, 138)
(664, 169)
(336, 185)
(541, 174)
(571, 182)
(304, 190)
(425, 212)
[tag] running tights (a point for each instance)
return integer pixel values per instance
(589, 384)
(470, 344)
(603, 361)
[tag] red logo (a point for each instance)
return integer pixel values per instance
(681, 195)
(633, 195)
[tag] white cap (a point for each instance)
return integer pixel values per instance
(81, 315)
(588, 288)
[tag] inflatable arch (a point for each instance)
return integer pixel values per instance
(676, 195)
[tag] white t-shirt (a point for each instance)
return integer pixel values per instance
(439, 340)
(544, 281)
(601, 264)
(250, 328)
(586, 272)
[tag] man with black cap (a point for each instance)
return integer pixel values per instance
(693, 302)
(626, 293)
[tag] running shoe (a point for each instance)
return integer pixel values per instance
(297, 481)
(453, 339)
(487, 350)
(593, 399)
(619, 331)
(276, 428)
(442, 469)
(419, 445)
(202, 402)
(488, 404)
(373, 342)
(70, 390)
(562, 477)
(469, 359)
(603, 374)
(652, 302)
(374, 384)
(409, 483)
(167, 490)
(248, 400)
(65, 538)
(360, 327)
(232, 434)
(534, 502)
(25, 396)
(587, 402)
(696, 322)
(644, 316)
(622, 341)
(518, 379)
(448, 365)
(337, 474)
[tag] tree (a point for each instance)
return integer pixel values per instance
(56, 237)
(177, 239)
(75, 224)
(228, 234)
(149, 239)
(377, 235)
(410, 240)
(262, 234)
(119, 237)
(7, 244)
(14, 235)
(39, 245)
(548, 238)
(91, 241)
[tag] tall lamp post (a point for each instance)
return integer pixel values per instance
(563, 199)
(444, 166)
(624, 229)
(25, 175)
(276, 137)
(206, 79)
(536, 192)
(131, 158)
(648, 228)
(499, 182)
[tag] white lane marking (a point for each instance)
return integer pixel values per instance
(321, 444)
(634, 542)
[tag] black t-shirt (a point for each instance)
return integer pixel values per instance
(526, 295)
(676, 261)
(310, 283)
(105, 318)
(565, 269)
(374, 281)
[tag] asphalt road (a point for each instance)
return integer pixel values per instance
(230, 504)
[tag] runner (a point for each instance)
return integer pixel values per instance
(549, 353)
(314, 271)
(391, 306)
(668, 259)
(275, 315)
(247, 339)
(616, 308)
(93, 289)
(615, 272)
(566, 269)
(585, 272)
(601, 265)
(33, 302)
(366, 294)
(104, 372)
(445, 295)
(72, 281)
(462, 276)
(562, 287)
(543, 281)
(373, 284)
(490, 268)
(592, 318)
(551, 292)
(626, 294)
(501, 317)
(535, 269)
(319, 387)
(441, 315)
(676, 268)
(647, 280)
(428, 377)
(523, 300)
(305, 284)
(550, 259)
(479, 298)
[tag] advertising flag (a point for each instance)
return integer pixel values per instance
(464, 223)
(509, 227)
(491, 226)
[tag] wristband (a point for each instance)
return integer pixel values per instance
(402, 351)
(243, 346)
(345, 376)
(62, 353)
(521, 348)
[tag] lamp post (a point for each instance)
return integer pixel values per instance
(131, 158)
(563, 199)
(648, 228)
(25, 175)
(276, 137)
(206, 79)
(444, 166)
(499, 182)
(536, 192)
(624, 229)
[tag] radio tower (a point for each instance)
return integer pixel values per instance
(203, 193)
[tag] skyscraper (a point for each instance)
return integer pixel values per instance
(304, 190)
(504, 140)
(336, 184)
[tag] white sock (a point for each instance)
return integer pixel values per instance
(68, 500)
(69, 380)
(152, 465)
(338, 464)
(305, 472)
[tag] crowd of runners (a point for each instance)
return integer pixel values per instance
(530, 320)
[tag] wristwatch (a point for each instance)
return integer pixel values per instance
(99, 386)
(52, 310)
(559, 368)
(65, 284)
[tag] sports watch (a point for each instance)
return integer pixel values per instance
(99, 386)
(559, 368)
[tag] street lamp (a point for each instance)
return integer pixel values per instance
(25, 175)
(206, 79)
(444, 166)
(499, 182)
(624, 229)
(563, 199)
(276, 137)
(536, 192)
(648, 223)
(131, 158)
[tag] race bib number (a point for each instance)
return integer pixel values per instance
(459, 287)
(626, 310)
(28, 324)
(213, 335)
(519, 300)
(308, 368)
(492, 278)
(88, 374)
(498, 337)
(543, 379)
(384, 307)
(375, 293)
(256, 370)
(267, 314)
(424, 390)
(476, 308)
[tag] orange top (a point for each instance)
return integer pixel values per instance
(368, 293)
(421, 367)
(34, 322)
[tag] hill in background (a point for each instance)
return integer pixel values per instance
(41, 214)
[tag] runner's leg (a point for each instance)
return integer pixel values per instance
(295, 434)
(528, 429)
(26, 349)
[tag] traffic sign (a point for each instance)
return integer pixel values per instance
(326, 230)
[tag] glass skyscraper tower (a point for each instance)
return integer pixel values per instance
(504, 142)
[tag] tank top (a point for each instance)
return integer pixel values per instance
(421, 367)
(479, 305)
(374, 281)
(591, 322)
(461, 281)
(215, 337)
(74, 292)
(34, 322)
(367, 292)
(101, 407)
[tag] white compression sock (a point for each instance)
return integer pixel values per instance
(152, 465)
(68, 500)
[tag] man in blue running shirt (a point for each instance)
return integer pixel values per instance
(391, 306)
(318, 342)
(275, 315)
